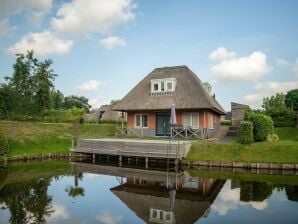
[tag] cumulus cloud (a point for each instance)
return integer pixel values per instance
(295, 68)
(89, 86)
(42, 43)
(281, 62)
(109, 218)
(267, 89)
(60, 212)
(112, 41)
(80, 17)
(5, 28)
(35, 10)
(221, 54)
(249, 68)
(97, 102)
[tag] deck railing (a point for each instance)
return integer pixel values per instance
(176, 132)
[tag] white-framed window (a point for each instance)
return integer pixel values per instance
(211, 121)
(141, 120)
(163, 85)
(190, 120)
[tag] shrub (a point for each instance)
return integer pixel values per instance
(226, 123)
(282, 118)
(69, 115)
(262, 126)
(246, 132)
(272, 138)
(3, 142)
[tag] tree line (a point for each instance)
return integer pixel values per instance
(30, 92)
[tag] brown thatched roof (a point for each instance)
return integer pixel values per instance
(189, 93)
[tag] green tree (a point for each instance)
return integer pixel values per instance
(275, 102)
(291, 99)
(76, 102)
(6, 101)
(57, 99)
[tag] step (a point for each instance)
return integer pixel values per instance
(233, 128)
(232, 133)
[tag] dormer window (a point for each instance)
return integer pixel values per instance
(163, 86)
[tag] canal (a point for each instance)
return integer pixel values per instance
(83, 192)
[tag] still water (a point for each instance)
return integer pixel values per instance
(76, 192)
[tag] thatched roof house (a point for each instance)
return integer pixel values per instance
(104, 113)
(148, 103)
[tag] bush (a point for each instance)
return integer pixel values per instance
(3, 142)
(262, 126)
(272, 138)
(58, 116)
(246, 132)
(283, 118)
(226, 123)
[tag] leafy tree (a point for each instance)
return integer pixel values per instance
(276, 102)
(76, 102)
(57, 99)
(6, 101)
(114, 102)
(291, 99)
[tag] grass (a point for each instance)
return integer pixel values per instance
(32, 138)
(284, 151)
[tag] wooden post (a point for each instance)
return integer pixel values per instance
(93, 157)
(120, 160)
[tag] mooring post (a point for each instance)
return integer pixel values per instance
(136, 160)
(146, 163)
(108, 158)
(93, 157)
(120, 160)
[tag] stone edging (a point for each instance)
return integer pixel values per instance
(268, 166)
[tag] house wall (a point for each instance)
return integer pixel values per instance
(204, 117)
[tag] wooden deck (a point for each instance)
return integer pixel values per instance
(134, 148)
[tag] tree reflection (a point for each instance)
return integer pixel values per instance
(254, 191)
(76, 191)
(27, 201)
(292, 192)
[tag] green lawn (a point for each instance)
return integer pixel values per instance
(284, 151)
(32, 138)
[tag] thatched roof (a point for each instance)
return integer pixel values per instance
(189, 93)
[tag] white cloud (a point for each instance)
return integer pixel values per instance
(35, 9)
(80, 17)
(97, 102)
(221, 54)
(91, 85)
(281, 62)
(295, 68)
(112, 41)
(248, 68)
(109, 218)
(5, 28)
(267, 89)
(60, 212)
(42, 43)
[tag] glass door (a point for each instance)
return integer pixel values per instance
(162, 124)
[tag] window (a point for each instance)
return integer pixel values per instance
(169, 86)
(211, 120)
(163, 85)
(191, 120)
(141, 120)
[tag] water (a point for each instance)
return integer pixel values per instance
(62, 192)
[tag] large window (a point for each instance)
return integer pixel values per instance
(191, 120)
(211, 120)
(141, 120)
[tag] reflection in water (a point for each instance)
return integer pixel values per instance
(92, 193)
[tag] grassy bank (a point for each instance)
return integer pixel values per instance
(32, 138)
(283, 151)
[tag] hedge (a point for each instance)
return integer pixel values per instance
(226, 123)
(246, 132)
(283, 118)
(262, 126)
(3, 142)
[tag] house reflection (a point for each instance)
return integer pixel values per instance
(164, 201)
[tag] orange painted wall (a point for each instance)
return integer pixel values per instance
(203, 123)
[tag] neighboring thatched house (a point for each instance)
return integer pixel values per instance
(149, 103)
(105, 113)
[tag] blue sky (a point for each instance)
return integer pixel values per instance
(101, 49)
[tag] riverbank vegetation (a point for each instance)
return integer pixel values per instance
(35, 138)
(282, 151)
